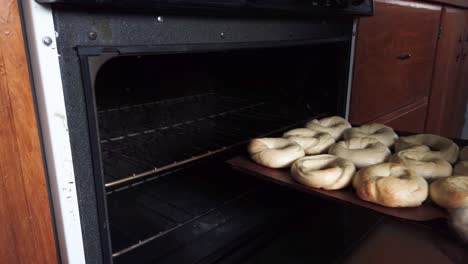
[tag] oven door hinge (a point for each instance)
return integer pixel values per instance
(439, 34)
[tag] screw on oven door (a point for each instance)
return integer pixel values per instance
(222, 35)
(92, 35)
(47, 40)
(160, 19)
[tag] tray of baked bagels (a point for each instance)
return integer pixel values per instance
(415, 177)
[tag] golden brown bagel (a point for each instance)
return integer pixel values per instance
(390, 184)
(424, 165)
(362, 152)
(323, 171)
(313, 142)
(274, 152)
(450, 192)
(441, 148)
(464, 153)
(461, 168)
(333, 125)
(385, 134)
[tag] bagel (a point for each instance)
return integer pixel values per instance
(441, 148)
(461, 168)
(385, 134)
(313, 142)
(333, 125)
(390, 184)
(323, 171)
(274, 152)
(424, 165)
(362, 152)
(450, 192)
(464, 153)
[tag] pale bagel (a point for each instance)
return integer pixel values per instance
(362, 152)
(464, 153)
(313, 142)
(450, 192)
(334, 125)
(441, 148)
(274, 152)
(390, 184)
(323, 171)
(418, 160)
(461, 168)
(385, 134)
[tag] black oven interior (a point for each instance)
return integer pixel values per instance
(158, 101)
(168, 121)
(159, 111)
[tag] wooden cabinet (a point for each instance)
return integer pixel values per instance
(448, 95)
(394, 58)
(411, 67)
(26, 227)
(411, 118)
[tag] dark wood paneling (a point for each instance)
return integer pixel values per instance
(455, 3)
(445, 115)
(394, 241)
(410, 118)
(461, 93)
(382, 82)
(26, 228)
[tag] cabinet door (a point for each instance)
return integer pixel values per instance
(448, 95)
(394, 58)
(461, 95)
(411, 118)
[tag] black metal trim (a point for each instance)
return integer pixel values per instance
(252, 8)
(101, 201)
(192, 48)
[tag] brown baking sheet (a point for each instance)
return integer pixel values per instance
(426, 212)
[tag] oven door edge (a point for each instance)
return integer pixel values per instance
(40, 32)
(351, 67)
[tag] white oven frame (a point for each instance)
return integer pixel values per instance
(351, 67)
(44, 59)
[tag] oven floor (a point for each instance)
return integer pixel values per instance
(209, 215)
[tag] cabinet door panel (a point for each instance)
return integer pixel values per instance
(394, 54)
(412, 121)
(448, 95)
(411, 118)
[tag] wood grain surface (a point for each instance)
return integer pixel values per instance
(455, 3)
(445, 116)
(410, 118)
(383, 82)
(26, 229)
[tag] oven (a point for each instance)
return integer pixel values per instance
(142, 102)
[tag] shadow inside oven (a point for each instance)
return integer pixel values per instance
(167, 122)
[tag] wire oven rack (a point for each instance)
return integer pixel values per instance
(141, 140)
(203, 213)
(195, 213)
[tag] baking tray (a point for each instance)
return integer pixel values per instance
(428, 211)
